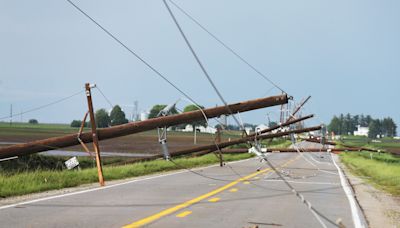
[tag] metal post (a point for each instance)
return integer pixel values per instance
(94, 134)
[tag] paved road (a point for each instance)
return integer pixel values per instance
(233, 196)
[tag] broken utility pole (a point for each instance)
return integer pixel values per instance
(213, 147)
(201, 150)
(141, 126)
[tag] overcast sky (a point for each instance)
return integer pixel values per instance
(345, 54)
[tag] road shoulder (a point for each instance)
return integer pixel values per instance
(380, 208)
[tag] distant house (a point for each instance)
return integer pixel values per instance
(208, 129)
(261, 127)
(361, 131)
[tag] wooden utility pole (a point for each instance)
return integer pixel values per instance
(218, 140)
(139, 126)
(94, 134)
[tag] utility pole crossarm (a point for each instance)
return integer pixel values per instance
(141, 126)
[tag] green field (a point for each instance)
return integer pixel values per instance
(360, 141)
(381, 170)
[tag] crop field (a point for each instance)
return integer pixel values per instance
(145, 142)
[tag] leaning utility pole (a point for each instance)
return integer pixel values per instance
(201, 150)
(287, 123)
(293, 115)
(217, 146)
(140, 126)
(94, 134)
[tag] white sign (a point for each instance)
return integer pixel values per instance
(72, 163)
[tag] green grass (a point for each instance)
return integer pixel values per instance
(382, 170)
(362, 141)
(43, 180)
(36, 126)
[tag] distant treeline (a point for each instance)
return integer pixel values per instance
(347, 124)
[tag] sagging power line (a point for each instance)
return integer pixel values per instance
(230, 49)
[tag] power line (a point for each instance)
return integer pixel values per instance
(226, 46)
(200, 64)
(43, 106)
(130, 50)
(317, 214)
(104, 96)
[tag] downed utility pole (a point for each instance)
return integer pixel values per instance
(290, 150)
(213, 147)
(287, 123)
(141, 126)
(356, 148)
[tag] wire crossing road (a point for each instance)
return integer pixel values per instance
(241, 197)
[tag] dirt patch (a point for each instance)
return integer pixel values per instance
(146, 142)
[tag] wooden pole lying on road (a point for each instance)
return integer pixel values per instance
(136, 127)
(94, 134)
(213, 147)
(289, 150)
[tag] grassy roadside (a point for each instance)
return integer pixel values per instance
(382, 170)
(43, 180)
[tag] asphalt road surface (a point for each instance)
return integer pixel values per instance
(236, 195)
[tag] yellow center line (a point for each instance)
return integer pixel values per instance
(233, 190)
(186, 204)
(246, 182)
(213, 200)
(184, 214)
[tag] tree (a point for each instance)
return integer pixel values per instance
(78, 123)
(117, 116)
(335, 125)
(75, 123)
(33, 121)
(389, 127)
(272, 124)
(102, 118)
(190, 108)
(157, 108)
(374, 128)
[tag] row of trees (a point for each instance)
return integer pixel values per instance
(347, 124)
(116, 117)
(157, 109)
(385, 127)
